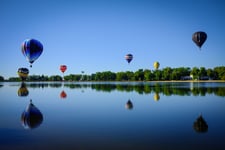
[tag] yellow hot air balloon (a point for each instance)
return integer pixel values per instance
(23, 73)
(156, 65)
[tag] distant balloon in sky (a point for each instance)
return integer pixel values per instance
(199, 38)
(129, 57)
(32, 49)
(63, 68)
(23, 73)
(156, 65)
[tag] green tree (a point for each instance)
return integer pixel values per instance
(139, 75)
(220, 72)
(148, 76)
(130, 75)
(157, 74)
(14, 79)
(210, 73)
(195, 73)
(121, 76)
(175, 75)
(166, 73)
(55, 78)
(1, 78)
(202, 72)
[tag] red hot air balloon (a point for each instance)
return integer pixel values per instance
(63, 68)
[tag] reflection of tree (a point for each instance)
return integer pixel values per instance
(167, 89)
(200, 125)
(103, 87)
(124, 87)
(220, 91)
(31, 117)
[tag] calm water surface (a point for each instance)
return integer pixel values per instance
(112, 115)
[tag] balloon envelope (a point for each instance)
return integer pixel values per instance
(23, 73)
(129, 57)
(156, 65)
(63, 68)
(32, 49)
(199, 38)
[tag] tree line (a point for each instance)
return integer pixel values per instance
(167, 73)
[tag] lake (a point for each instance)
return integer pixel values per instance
(112, 115)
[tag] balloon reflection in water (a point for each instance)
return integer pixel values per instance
(200, 125)
(31, 117)
(129, 105)
(23, 91)
(63, 94)
(156, 97)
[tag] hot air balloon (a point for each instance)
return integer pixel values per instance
(63, 68)
(199, 38)
(200, 125)
(156, 65)
(23, 73)
(129, 105)
(31, 117)
(129, 57)
(32, 49)
(23, 91)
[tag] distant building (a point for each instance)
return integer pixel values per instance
(186, 78)
(204, 78)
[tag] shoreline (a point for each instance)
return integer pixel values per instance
(189, 81)
(221, 81)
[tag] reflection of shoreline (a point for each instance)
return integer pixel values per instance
(166, 88)
(116, 81)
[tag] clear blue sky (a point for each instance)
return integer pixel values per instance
(95, 35)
